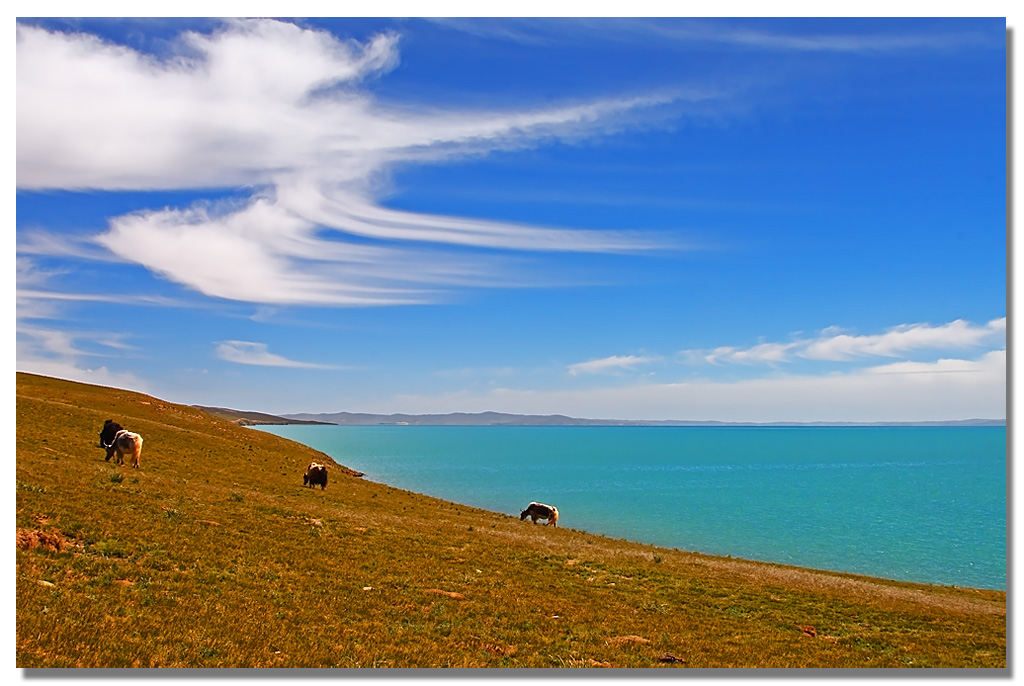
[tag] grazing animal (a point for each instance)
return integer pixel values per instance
(537, 511)
(128, 442)
(110, 429)
(316, 475)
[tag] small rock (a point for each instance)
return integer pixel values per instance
(668, 657)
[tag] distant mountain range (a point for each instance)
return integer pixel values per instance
(503, 419)
(246, 418)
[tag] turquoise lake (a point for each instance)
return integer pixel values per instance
(911, 503)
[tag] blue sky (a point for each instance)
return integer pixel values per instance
(709, 219)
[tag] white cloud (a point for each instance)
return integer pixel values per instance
(944, 366)
(66, 369)
(948, 388)
(834, 346)
(268, 253)
(57, 353)
(902, 339)
(929, 393)
(761, 353)
(280, 109)
(608, 364)
(97, 115)
(247, 352)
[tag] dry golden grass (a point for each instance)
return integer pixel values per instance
(214, 555)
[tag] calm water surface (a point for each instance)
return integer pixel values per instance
(909, 503)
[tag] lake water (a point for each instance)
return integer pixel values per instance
(910, 503)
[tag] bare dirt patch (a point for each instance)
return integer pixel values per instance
(451, 594)
(28, 539)
(625, 640)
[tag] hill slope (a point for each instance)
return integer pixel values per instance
(244, 418)
(214, 555)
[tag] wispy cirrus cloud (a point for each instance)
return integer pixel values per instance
(845, 42)
(74, 354)
(703, 32)
(283, 111)
(832, 345)
(67, 344)
(48, 343)
(610, 364)
(257, 354)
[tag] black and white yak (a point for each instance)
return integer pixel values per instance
(537, 511)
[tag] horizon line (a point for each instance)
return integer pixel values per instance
(554, 419)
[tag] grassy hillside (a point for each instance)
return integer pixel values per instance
(214, 555)
(243, 418)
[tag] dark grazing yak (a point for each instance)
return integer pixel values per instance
(110, 429)
(316, 475)
(537, 511)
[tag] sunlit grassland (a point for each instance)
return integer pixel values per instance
(214, 555)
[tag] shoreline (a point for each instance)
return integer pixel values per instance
(664, 546)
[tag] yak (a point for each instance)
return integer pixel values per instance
(128, 442)
(110, 429)
(537, 511)
(316, 475)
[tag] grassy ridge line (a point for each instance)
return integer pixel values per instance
(244, 418)
(214, 555)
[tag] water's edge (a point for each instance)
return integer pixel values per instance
(922, 505)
